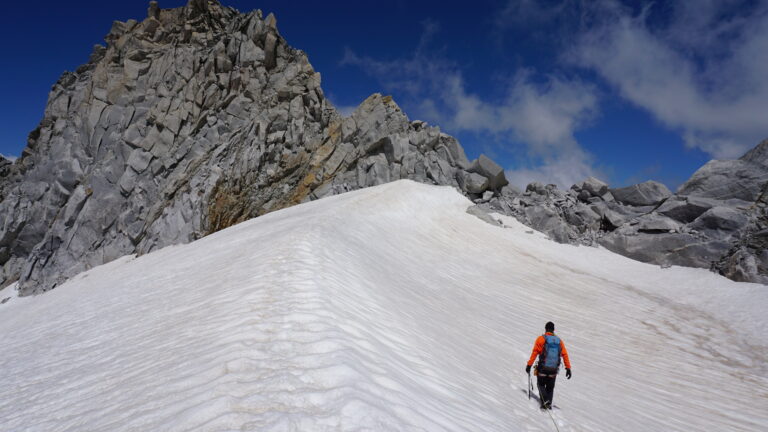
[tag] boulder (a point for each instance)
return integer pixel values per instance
(536, 188)
(685, 208)
(547, 221)
(455, 150)
(654, 223)
(472, 182)
(666, 249)
(482, 214)
(643, 194)
(609, 219)
(724, 180)
(510, 191)
(592, 186)
(491, 170)
(581, 215)
(743, 264)
(721, 219)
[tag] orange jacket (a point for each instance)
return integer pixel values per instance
(538, 347)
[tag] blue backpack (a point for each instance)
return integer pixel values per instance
(549, 359)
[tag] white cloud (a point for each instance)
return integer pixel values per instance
(541, 113)
(563, 171)
(10, 158)
(703, 73)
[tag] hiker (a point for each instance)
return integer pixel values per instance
(549, 348)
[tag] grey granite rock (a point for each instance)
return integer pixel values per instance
(757, 155)
(724, 180)
(721, 219)
(188, 122)
(537, 188)
(685, 208)
(647, 223)
(747, 259)
(162, 138)
(581, 215)
(744, 265)
(644, 194)
(472, 182)
(665, 249)
(510, 191)
(591, 187)
(491, 170)
(548, 221)
(653, 223)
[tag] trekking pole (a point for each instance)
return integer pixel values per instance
(530, 386)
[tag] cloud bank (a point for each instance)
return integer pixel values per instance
(699, 67)
(541, 113)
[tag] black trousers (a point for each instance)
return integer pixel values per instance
(546, 386)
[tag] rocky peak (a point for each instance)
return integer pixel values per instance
(184, 123)
(188, 122)
(757, 155)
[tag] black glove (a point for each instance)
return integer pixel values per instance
(528, 369)
(568, 373)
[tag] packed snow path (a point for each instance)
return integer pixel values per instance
(389, 308)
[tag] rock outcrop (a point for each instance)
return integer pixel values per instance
(188, 122)
(644, 194)
(717, 219)
(731, 179)
(159, 139)
(747, 259)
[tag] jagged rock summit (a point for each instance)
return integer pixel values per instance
(188, 122)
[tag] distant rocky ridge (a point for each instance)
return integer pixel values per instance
(201, 117)
(717, 219)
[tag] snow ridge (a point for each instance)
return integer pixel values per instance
(389, 308)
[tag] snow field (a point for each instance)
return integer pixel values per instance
(388, 308)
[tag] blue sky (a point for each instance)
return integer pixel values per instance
(553, 90)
